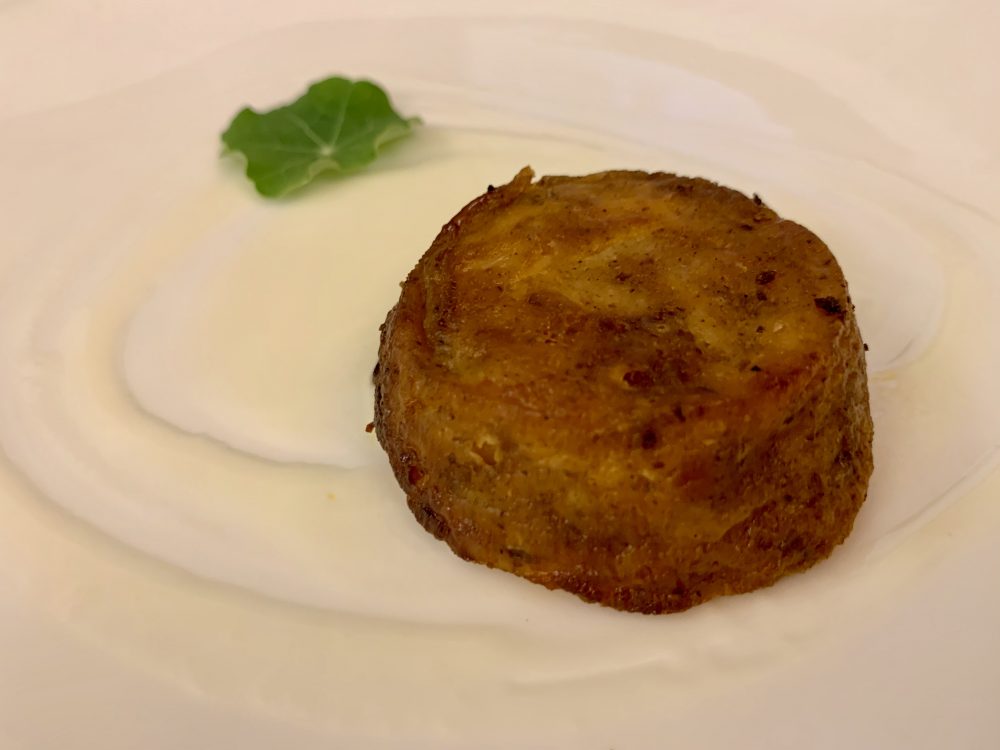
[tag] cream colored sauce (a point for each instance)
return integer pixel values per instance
(187, 372)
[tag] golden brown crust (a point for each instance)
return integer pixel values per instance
(646, 389)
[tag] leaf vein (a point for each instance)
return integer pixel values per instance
(309, 132)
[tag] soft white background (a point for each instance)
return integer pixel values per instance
(926, 72)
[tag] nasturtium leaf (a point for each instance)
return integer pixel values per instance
(338, 125)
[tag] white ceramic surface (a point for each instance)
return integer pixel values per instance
(202, 548)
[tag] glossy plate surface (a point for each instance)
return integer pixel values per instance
(202, 547)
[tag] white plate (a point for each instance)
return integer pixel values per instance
(201, 546)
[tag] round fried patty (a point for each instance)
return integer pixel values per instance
(645, 389)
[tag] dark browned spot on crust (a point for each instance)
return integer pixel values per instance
(638, 378)
(830, 305)
(649, 439)
(765, 277)
(369, 427)
(517, 554)
(432, 521)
